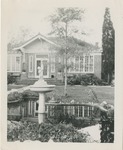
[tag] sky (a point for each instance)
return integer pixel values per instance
(33, 15)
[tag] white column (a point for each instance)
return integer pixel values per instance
(78, 111)
(41, 108)
(88, 111)
(73, 110)
(83, 111)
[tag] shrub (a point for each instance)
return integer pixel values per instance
(60, 117)
(27, 95)
(61, 133)
(87, 79)
(11, 79)
(14, 117)
(24, 96)
(31, 131)
(15, 96)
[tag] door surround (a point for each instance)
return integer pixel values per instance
(42, 59)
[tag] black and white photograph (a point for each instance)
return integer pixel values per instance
(60, 72)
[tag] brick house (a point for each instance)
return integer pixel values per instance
(39, 50)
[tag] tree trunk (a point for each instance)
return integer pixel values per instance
(108, 78)
(65, 88)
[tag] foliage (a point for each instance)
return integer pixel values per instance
(60, 22)
(63, 16)
(59, 117)
(87, 79)
(62, 133)
(30, 95)
(11, 79)
(31, 131)
(107, 127)
(14, 117)
(15, 96)
(108, 45)
(24, 96)
(22, 131)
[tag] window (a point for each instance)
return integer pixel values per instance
(17, 63)
(91, 63)
(30, 63)
(14, 63)
(53, 64)
(77, 63)
(82, 64)
(86, 63)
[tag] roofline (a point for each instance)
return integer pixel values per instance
(38, 36)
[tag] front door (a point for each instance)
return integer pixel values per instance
(39, 63)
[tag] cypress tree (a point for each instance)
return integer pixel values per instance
(108, 45)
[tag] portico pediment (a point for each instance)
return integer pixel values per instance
(37, 44)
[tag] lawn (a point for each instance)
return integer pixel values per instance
(84, 94)
(80, 94)
(104, 93)
(14, 86)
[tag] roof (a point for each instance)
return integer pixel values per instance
(73, 43)
(38, 36)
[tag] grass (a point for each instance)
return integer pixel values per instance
(84, 94)
(104, 93)
(80, 94)
(14, 86)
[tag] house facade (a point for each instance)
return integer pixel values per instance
(39, 50)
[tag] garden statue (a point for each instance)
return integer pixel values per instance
(40, 71)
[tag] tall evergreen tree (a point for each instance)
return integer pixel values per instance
(108, 45)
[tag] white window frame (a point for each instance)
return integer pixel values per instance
(83, 71)
(12, 57)
(52, 64)
(30, 63)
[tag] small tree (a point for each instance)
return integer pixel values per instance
(108, 45)
(61, 21)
